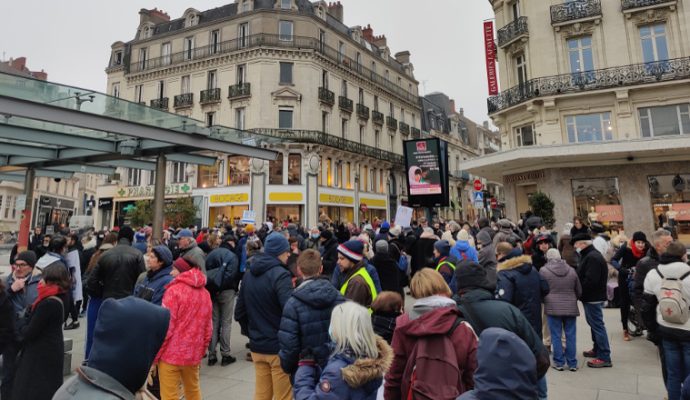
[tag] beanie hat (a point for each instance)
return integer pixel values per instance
(126, 232)
(472, 275)
(580, 237)
(381, 246)
(182, 265)
(249, 228)
(140, 237)
(597, 227)
(326, 234)
(385, 227)
(553, 254)
(504, 223)
(276, 244)
(463, 235)
(443, 247)
(639, 236)
(164, 254)
(353, 250)
(28, 257)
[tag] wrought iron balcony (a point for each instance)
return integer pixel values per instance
(363, 112)
(326, 96)
(160, 104)
(239, 90)
(608, 78)
(632, 4)
(392, 123)
(575, 10)
(416, 133)
(513, 31)
(210, 96)
(183, 100)
(404, 128)
(322, 138)
(377, 117)
(345, 104)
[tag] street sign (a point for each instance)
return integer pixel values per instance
(478, 199)
(249, 217)
(21, 202)
(478, 185)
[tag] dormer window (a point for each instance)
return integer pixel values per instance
(191, 17)
(245, 5)
(285, 4)
(117, 58)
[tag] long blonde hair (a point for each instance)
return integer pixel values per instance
(351, 330)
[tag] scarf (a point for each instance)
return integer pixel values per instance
(637, 253)
(45, 291)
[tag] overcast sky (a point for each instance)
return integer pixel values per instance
(70, 39)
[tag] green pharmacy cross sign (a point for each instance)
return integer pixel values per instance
(130, 208)
(147, 191)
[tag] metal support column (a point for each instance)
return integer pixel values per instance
(159, 198)
(25, 224)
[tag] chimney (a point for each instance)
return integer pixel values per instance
(336, 10)
(43, 76)
(451, 103)
(368, 34)
(18, 63)
(461, 112)
(380, 41)
(403, 57)
(155, 16)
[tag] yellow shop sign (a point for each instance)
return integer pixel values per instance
(373, 203)
(284, 197)
(335, 199)
(229, 198)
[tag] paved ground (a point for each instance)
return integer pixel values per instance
(636, 374)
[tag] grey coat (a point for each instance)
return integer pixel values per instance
(89, 383)
(564, 287)
(487, 255)
(195, 256)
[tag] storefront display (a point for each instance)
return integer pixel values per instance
(670, 196)
(598, 200)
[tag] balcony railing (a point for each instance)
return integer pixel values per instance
(183, 100)
(377, 117)
(416, 133)
(632, 4)
(326, 96)
(239, 90)
(575, 10)
(345, 104)
(363, 112)
(392, 123)
(513, 31)
(160, 104)
(404, 128)
(210, 96)
(322, 138)
(273, 40)
(608, 78)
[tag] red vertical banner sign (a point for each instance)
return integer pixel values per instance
(490, 49)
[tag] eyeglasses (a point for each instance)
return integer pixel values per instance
(21, 264)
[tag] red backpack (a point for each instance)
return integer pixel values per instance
(433, 368)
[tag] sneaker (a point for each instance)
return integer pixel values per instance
(557, 367)
(598, 363)
(212, 360)
(589, 353)
(72, 325)
(573, 369)
(227, 360)
(626, 336)
(637, 333)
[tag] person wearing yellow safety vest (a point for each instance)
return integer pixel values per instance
(358, 284)
(445, 263)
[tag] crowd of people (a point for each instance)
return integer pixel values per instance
(324, 308)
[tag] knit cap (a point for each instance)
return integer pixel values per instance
(382, 246)
(353, 250)
(276, 244)
(553, 254)
(182, 265)
(443, 247)
(164, 254)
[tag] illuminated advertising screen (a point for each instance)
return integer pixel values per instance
(426, 169)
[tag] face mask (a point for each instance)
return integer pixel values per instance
(315, 236)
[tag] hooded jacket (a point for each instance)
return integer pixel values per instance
(670, 267)
(487, 254)
(388, 272)
(264, 292)
(499, 348)
(433, 315)
(190, 319)
(216, 259)
(344, 377)
(116, 272)
(505, 235)
(520, 284)
(122, 352)
(422, 254)
(305, 322)
(463, 251)
(593, 272)
(564, 289)
(153, 286)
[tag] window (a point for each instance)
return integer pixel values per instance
(143, 58)
(246, 5)
(208, 175)
(242, 34)
(133, 177)
(118, 58)
(286, 73)
(392, 110)
(210, 118)
(10, 200)
(285, 4)
(377, 144)
(665, 121)
(580, 54)
(285, 31)
(212, 81)
(215, 41)
(179, 172)
(515, 8)
(275, 171)
(294, 169)
(521, 69)
(348, 175)
(324, 79)
(402, 115)
(599, 200)
(285, 118)
(358, 61)
(166, 50)
(322, 40)
(654, 46)
(239, 118)
(324, 121)
(343, 128)
(139, 93)
(524, 136)
(361, 96)
(361, 134)
(387, 76)
(337, 175)
(161, 89)
(329, 172)
(185, 85)
(376, 103)
(365, 176)
(589, 127)
(341, 51)
(241, 74)
(152, 178)
(238, 170)
(343, 88)
(189, 48)
(115, 92)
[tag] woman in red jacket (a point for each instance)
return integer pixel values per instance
(189, 333)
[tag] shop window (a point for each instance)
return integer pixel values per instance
(238, 170)
(589, 127)
(275, 171)
(294, 169)
(208, 175)
(670, 196)
(665, 121)
(598, 200)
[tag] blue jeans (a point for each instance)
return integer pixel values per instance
(557, 325)
(91, 316)
(677, 366)
(595, 320)
(541, 388)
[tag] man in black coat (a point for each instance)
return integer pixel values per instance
(387, 267)
(116, 272)
(329, 252)
(593, 273)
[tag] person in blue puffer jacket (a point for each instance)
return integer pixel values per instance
(159, 262)
(463, 250)
(356, 368)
